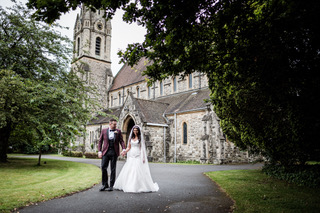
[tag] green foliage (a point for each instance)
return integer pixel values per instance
(49, 11)
(69, 153)
(265, 83)
(76, 154)
(66, 153)
(261, 59)
(91, 154)
(41, 102)
(302, 175)
(31, 149)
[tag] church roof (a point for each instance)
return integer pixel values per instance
(188, 101)
(105, 119)
(130, 75)
(151, 111)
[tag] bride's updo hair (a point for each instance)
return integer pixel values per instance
(139, 133)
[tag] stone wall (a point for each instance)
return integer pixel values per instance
(154, 142)
(216, 148)
(96, 75)
(87, 30)
(205, 140)
(192, 149)
(91, 139)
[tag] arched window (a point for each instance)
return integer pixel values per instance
(78, 47)
(92, 136)
(111, 100)
(190, 81)
(161, 88)
(138, 92)
(119, 98)
(185, 133)
(174, 84)
(98, 45)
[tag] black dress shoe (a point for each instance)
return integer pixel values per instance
(103, 188)
(110, 189)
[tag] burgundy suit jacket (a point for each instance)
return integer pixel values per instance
(104, 140)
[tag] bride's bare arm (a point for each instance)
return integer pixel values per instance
(143, 156)
(129, 146)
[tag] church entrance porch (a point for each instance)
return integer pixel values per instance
(126, 128)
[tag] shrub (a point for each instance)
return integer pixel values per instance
(30, 149)
(66, 153)
(69, 153)
(91, 155)
(76, 154)
(302, 175)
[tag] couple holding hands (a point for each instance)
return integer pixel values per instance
(135, 175)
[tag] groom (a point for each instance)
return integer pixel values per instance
(110, 138)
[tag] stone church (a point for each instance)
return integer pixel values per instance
(177, 123)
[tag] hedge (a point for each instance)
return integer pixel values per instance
(91, 155)
(302, 175)
(72, 154)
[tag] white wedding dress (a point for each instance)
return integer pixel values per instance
(135, 175)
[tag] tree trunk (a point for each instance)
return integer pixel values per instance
(39, 159)
(4, 142)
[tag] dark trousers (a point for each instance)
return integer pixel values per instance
(109, 156)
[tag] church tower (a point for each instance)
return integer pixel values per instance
(92, 50)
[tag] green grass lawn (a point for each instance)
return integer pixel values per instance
(254, 191)
(24, 183)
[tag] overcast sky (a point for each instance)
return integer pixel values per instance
(122, 33)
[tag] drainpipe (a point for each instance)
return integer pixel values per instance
(164, 145)
(175, 138)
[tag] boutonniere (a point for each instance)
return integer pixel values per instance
(116, 132)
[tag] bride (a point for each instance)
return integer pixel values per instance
(135, 175)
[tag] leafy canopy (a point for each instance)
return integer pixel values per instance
(38, 94)
(261, 58)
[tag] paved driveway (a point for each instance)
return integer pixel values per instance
(183, 188)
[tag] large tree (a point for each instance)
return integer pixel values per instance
(38, 93)
(261, 58)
